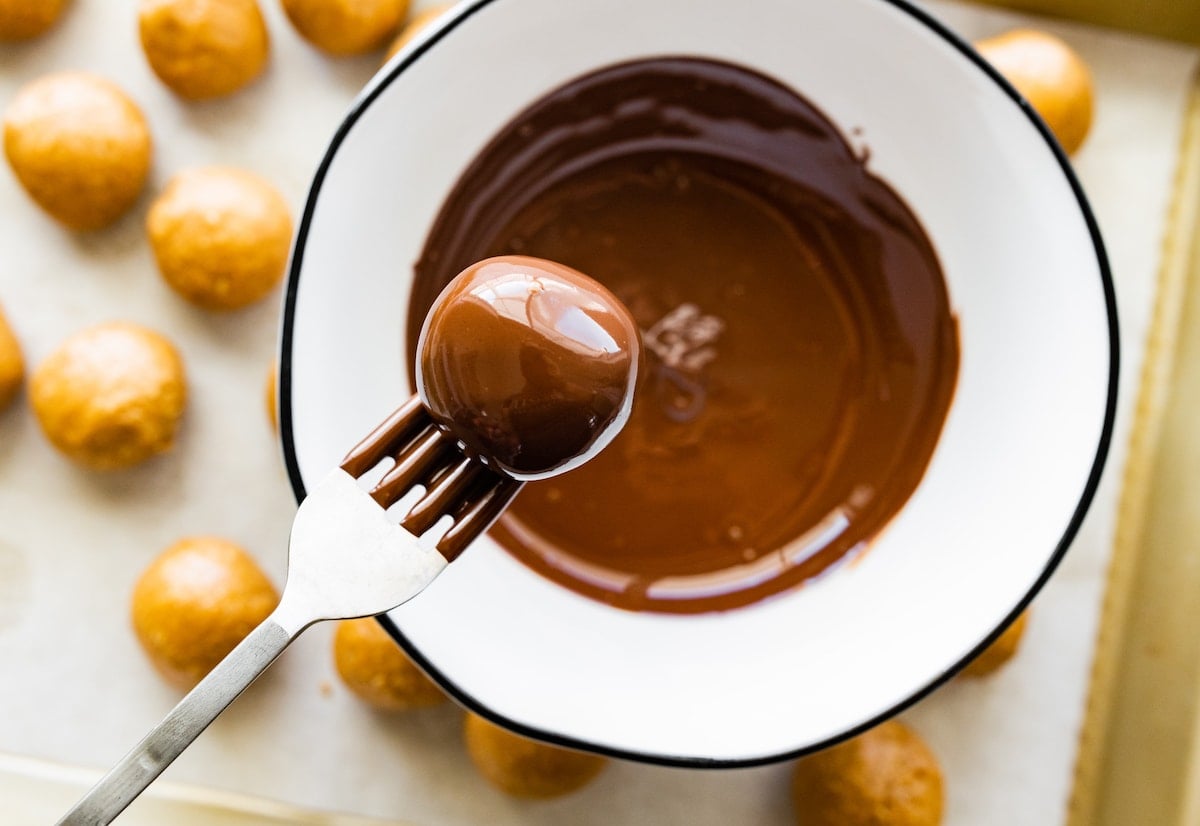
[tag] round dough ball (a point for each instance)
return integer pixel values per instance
(414, 27)
(204, 48)
(12, 365)
(26, 19)
(195, 603)
(345, 27)
(221, 236)
(79, 146)
(885, 777)
(110, 396)
(378, 671)
(999, 652)
(523, 767)
(1050, 75)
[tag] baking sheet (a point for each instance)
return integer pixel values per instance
(1137, 760)
(36, 791)
(77, 689)
(1175, 19)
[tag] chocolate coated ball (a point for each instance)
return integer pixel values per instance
(529, 363)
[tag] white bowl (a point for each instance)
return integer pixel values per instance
(1012, 475)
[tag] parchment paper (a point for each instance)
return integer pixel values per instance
(75, 687)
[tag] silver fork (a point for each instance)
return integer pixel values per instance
(346, 559)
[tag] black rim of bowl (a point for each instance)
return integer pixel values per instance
(451, 20)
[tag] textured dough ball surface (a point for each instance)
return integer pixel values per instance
(195, 603)
(204, 48)
(526, 768)
(345, 27)
(374, 667)
(12, 364)
(1051, 76)
(79, 146)
(884, 777)
(26, 19)
(220, 236)
(996, 655)
(110, 396)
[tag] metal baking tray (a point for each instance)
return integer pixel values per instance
(1138, 754)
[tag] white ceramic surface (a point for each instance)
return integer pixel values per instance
(1013, 472)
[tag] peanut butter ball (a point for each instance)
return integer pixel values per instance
(999, 652)
(379, 673)
(523, 767)
(414, 27)
(110, 396)
(26, 19)
(79, 146)
(346, 27)
(220, 236)
(885, 777)
(1050, 75)
(195, 603)
(204, 48)
(12, 365)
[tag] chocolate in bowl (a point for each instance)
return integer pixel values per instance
(1015, 467)
(802, 350)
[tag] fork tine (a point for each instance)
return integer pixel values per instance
(413, 466)
(471, 493)
(444, 491)
(404, 423)
(478, 516)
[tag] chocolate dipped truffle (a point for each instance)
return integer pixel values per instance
(531, 364)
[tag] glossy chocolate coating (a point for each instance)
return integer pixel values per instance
(529, 363)
(801, 349)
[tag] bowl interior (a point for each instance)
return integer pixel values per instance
(1014, 469)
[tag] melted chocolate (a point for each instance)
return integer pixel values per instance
(801, 350)
(531, 364)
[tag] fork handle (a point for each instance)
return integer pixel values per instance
(183, 724)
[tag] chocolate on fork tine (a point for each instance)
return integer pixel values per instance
(346, 559)
(460, 487)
